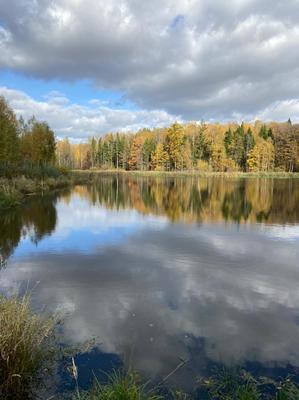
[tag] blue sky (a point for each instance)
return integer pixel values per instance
(79, 92)
(90, 67)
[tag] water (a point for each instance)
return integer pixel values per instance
(159, 270)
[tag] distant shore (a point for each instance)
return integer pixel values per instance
(192, 173)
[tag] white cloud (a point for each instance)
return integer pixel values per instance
(78, 121)
(199, 59)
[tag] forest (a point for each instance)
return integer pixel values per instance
(205, 147)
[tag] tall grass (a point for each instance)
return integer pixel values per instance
(24, 346)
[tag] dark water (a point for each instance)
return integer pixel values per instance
(159, 270)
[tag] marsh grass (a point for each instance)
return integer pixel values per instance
(229, 384)
(232, 385)
(24, 346)
(120, 386)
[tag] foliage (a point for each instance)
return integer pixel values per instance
(206, 147)
(37, 143)
(8, 134)
(24, 344)
(261, 157)
(29, 148)
(25, 148)
(159, 158)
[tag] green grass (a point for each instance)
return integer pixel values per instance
(287, 391)
(120, 386)
(231, 385)
(24, 346)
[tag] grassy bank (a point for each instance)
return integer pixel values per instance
(193, 173)
(15, 189)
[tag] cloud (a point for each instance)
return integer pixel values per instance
(78, 121)
(210, 60)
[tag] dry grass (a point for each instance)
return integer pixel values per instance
(24, 346)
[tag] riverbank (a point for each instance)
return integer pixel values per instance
(14, 191)
(192, 173)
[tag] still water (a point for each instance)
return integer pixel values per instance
(157, 270)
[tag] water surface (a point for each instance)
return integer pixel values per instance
(157, 270)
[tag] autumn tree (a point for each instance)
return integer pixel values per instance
(285, 143)
(64, 153)
(238, 143)
(176, 146)
(135, 159)
(261, 157)
(9, 144)
(160, 158)
(38, 143)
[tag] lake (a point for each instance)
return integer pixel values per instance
(158, 270)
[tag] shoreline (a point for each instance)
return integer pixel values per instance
(15, 191)
(189, 173)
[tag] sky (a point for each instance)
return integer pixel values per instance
(93, 66)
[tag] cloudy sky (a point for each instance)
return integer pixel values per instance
(92, 66)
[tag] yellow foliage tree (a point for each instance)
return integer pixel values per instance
(261, 157)
(160, 158)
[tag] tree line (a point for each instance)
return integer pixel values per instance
(195, 146)
(24, 143)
